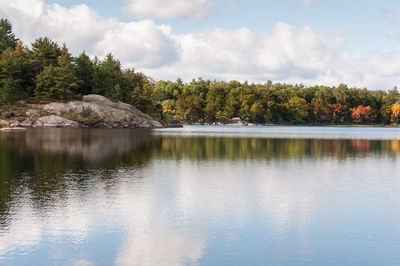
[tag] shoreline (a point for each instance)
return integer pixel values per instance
(8, 129)
(292, 125)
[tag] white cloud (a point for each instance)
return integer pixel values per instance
(284, 53)
(78, 25)
(143, 43)
(150, 9)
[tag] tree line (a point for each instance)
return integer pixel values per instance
(46, 71)
(209, 101)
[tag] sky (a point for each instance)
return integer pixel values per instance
(325, 42)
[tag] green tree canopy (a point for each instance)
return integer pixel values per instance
(45, 52)
(84, 71)
(7, 37)
(58, 82)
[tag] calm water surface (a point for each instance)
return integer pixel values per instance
(200, 196)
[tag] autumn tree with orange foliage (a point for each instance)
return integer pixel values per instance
(361, 114)
(338, 112)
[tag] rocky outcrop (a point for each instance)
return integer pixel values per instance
(91, 111)
(54, 121)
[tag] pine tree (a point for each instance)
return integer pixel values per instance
(44, 53)
(107, 75)
(115, 93)
(57, 82)
(84, 71)
(45, 83)
(140, 89)
(7, 37)
(7, 91)
(15, 65)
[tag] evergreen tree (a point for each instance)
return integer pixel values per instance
(45, 83)
(141, 91)
(66, 83)
(7, 91)
(116, 93)
(107, 75)
(84, 71)
(15, 65)
(216, 98)
(44, 53)
(7, 37)
(57, 82)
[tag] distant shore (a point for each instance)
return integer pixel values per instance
(292, 125)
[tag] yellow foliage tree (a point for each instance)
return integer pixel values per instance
(395, 113)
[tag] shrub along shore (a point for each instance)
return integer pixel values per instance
(46, 72)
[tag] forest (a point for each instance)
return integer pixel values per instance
(45, 71)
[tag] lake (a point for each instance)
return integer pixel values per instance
(200, 195)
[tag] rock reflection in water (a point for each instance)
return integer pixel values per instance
(91, 146)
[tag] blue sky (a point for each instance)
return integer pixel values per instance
(303, 41)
